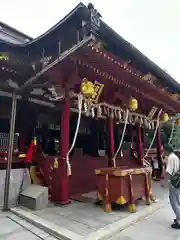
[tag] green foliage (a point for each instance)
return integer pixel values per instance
(165, 134)
(166, 131)
(150, 134)
(175, 142)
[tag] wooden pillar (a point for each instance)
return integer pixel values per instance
(159, 152)
(22, 119)
(139, 144)
(148, 188)
(60, 183)
(107, 205)
(27, 120)
(111, 142)
(131, 204)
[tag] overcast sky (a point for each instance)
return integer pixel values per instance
(153, 26)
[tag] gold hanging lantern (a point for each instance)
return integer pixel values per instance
(133, 104)
(177, 122)
(165, 117)
(87, 88)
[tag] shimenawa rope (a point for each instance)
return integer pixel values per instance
(80, 99)
(122, 138)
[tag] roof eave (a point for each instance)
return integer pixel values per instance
(141, 57)
(15, 30)
(64, 20)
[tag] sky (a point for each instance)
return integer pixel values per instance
(152, 26)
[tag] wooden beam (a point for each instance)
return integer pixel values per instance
(63, 56)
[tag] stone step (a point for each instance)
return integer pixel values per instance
(52, 229)
(39, 233)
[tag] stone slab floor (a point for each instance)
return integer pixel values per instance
(155, 226)
(86, 218)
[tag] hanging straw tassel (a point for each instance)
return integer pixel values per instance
(122, 137)
(80, 100)
(68, 167)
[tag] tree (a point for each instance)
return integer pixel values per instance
(165, 135)
(175, 142)
(167, 130)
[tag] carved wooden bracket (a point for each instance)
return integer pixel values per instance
(149, 78)
(174, 96)
(125, 65)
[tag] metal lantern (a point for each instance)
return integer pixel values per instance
(165, 117)
(87, 88)
(133, 104)
(177, 122)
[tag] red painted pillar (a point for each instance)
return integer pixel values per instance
(60, 183)
(159, 150)
(23, 118)
(111, 142)
(139, 144)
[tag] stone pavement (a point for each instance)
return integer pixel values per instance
(87, 221)
(13, 228)
(155, 226)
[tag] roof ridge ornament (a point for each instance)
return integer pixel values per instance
(92, 25)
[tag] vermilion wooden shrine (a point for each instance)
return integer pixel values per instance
(82, 73)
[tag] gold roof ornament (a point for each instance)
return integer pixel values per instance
(87, 88)
(91, 90)
(98, 87)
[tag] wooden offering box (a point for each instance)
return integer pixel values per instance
(123, 186)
